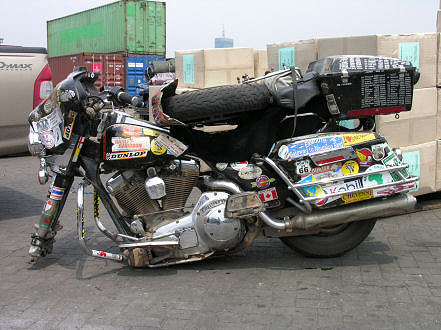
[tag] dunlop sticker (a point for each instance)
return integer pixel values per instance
(356, 138)
(126, 155)
(357, 196)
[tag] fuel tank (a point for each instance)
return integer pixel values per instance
(136, 143)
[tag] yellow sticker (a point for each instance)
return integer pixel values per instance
(150, 132)
(356, 138)
(157, 149)
(357, 196)
(350, 167)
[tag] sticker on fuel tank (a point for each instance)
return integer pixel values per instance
(130, 144)
(157, 149)
(250, 172)
(356, 138)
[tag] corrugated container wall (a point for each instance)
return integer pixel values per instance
(112, 67)
(135, 70)
(123, 26)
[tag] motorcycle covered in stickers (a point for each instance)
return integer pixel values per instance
(288, 155)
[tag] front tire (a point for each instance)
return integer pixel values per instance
(331, 242)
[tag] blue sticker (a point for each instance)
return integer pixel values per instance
(188, 66)
(314, 146)
(311, 191)
(287, 57)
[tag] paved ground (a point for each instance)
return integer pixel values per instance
(391, 281)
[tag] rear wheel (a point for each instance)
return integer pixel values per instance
(331, 241)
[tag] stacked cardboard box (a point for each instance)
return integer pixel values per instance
(260, 62)
(203, 68)
(417, 131)
(287, 54)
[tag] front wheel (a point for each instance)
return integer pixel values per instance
(331, 241)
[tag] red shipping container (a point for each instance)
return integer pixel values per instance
(111, 67)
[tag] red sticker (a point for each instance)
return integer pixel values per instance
(364, 157)
(268, 195)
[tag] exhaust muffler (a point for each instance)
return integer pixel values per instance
(380, 208)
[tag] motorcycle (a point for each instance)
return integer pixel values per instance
(179, 191)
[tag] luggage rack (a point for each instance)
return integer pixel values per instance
(305, 200)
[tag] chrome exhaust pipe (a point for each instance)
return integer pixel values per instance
(380, 208)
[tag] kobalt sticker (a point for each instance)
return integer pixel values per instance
(284, 152)
(315, 145)
(238, 165)
(157, 149)
(303, 167)
(126, 155)
(262, 182)
(175, 147)
(350, 167)
(250, 172)
(357, 196)
(221, 166)
(342, 187)
(364, 157)
(268, 195)
(130, 144)
(376, 178)
(356, 138)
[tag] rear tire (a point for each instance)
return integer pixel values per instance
(216, 102)
(331, 244)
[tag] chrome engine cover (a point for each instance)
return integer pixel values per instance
(205, 229)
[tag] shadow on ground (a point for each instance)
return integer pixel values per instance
(16, 204)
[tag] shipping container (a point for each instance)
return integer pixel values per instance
(125, 26)
(111, 67)
(223, 43)
(135, 70)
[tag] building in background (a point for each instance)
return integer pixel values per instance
(223, 42)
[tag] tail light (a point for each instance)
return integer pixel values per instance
(43, 85)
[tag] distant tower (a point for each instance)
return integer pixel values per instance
(1, 41)
(223, 42)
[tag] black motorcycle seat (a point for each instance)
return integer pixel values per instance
(307, 88)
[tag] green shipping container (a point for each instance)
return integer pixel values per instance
(123, 26)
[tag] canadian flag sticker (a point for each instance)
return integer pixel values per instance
(268, 195)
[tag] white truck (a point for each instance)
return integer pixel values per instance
(25, 80)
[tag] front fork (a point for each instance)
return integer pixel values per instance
(46, 229)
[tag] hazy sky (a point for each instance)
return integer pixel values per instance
(251, 23)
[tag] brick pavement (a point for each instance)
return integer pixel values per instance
(391, 281)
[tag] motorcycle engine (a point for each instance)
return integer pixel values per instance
(128, 189)
(199, 228)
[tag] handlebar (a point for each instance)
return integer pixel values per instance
(124, 97)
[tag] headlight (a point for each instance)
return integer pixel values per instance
(34, 143)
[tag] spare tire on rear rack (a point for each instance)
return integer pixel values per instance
(217, 103)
